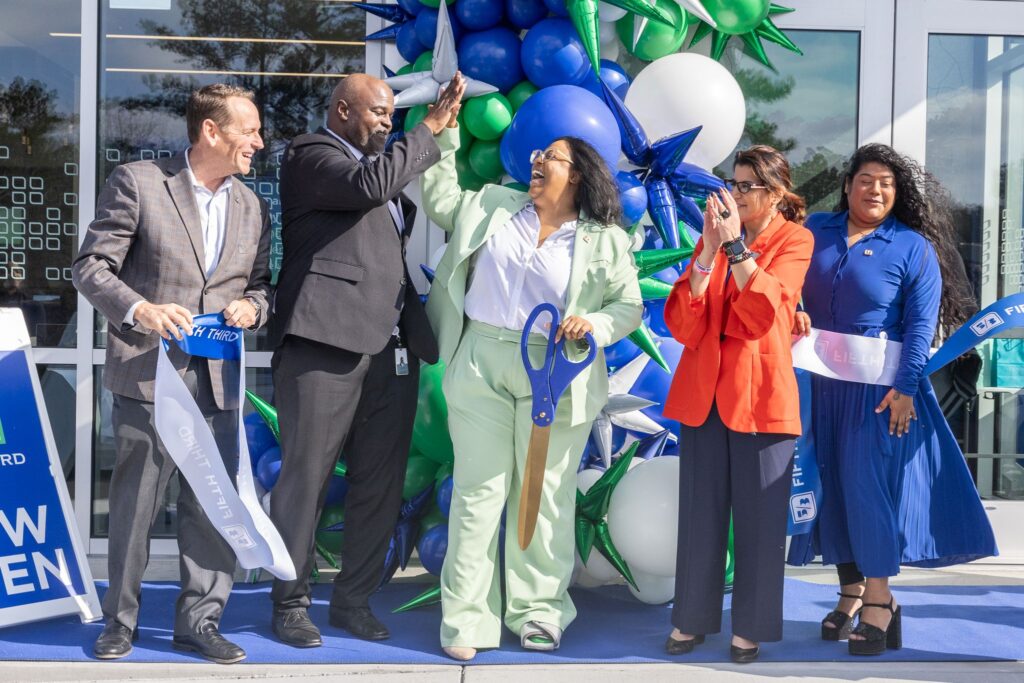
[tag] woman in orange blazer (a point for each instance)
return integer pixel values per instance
(735, 394)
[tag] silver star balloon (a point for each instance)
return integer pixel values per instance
(423, 87)
(694, 7)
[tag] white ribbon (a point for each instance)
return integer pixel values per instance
(849, 357)
(237, 515)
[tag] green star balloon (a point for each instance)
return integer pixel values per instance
(653, 40)
(585, 19)
(266, 411)
(650, 261)
(591, 511)
(643, 338)
(765, 29)
(653, 289)
(431, 596)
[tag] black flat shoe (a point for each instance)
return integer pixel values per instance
(360, 622)
(744, 655)
(210, 644)
(682, 647)
(876, 641)
(295, 628)
(115, 641)
(842, 623)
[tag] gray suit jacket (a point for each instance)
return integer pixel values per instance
(147, 243)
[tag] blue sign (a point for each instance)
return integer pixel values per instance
(806, 488)
(42, 570)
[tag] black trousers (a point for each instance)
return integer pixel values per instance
(137, 486)
(331, 401)
(749, 475)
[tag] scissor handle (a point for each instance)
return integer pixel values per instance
(549, 381)
(539, 376)
(564, 370)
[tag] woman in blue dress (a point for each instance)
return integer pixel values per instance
(895, 486)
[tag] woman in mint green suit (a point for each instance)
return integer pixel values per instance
(507, 252)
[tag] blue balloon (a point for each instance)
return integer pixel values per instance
(525, 13)
(444, 495)
(411, 6)
(258, 436)
(632, 195)
(653, 384)
(669, 275)
(492, 56)
(613, 75)
(268, 469)
(426, 27)
(477, 15)
(553, 55)
(432, 547)
(655, 313)
(620, 353)
(407, 42)
(552, 113)
(557, 7)
(337, 490)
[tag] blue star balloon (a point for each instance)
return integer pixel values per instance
(402, 29)
(407, 530)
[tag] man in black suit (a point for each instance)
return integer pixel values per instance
(346, 319)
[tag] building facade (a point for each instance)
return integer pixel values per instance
(86, 85)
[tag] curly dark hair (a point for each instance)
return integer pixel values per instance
(923, 205)
(598, 194)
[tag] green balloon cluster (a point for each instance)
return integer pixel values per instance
(657, 39)
(520, 93)
(488, 116)
(737, 16)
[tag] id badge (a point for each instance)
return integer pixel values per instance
(401, 361)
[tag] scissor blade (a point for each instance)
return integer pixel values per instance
(533, 483)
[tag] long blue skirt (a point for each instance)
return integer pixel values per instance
(889, 501)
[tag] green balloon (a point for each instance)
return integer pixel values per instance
(465, 136)
(419, 474)
(737, 16)
(657, 39)
(432, 519)
(488, 116)
(520, 93)
(407, 69)
(415, 116)
(485, 159)
(425, 62)
(443, 472)
(468, 178)
(435, 3)
(430, 428)
(331, 540)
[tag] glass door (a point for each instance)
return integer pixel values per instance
(960, 111)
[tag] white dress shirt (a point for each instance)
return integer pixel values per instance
(512, 275)
(393, 207)
(213, 217)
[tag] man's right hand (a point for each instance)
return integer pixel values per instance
(164, 319)
(443, 113)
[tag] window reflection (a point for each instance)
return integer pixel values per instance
(58, 386)
(39, 127)
(289, 52)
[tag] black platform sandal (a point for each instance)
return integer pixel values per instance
(876, 641)
(842, 623)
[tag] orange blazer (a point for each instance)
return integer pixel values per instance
(741, 360)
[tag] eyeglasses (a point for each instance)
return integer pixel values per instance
(744, 186)
(549, 155)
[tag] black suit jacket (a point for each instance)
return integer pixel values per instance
(344, 280)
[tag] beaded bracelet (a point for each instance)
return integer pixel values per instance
(701, 269)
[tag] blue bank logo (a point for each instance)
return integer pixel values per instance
(985, 325)
(804, 507)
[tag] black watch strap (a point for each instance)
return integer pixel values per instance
(734, 248)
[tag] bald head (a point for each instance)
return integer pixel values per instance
(360, 111)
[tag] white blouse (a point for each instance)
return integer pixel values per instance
(511, 274)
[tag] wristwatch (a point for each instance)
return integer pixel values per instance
(734, 248)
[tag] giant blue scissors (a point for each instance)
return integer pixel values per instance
(548, 382)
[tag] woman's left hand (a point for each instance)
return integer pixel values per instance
(901, 411)
(573, 327)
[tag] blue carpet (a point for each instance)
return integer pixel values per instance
(940, 623)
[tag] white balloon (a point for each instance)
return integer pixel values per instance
(265, 502)
(587, 478)
(611, 50)
(435, 258)
(609, 13)
(684, 90)
(607, 34)
(643, 516)
(654, 590)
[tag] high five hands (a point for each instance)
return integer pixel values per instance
(442, 114)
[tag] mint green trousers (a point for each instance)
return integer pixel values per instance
(489, 402)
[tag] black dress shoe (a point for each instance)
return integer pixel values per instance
(115, 641)
(295, 628)
(210, 644)
(682, 647)
(360, 622)
(744, 655)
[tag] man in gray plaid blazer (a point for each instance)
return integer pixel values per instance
(173, 237)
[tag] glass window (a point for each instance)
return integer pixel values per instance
(975, 147)
(289, 52)
(808, 109)
(104, 451)
(39, 127)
